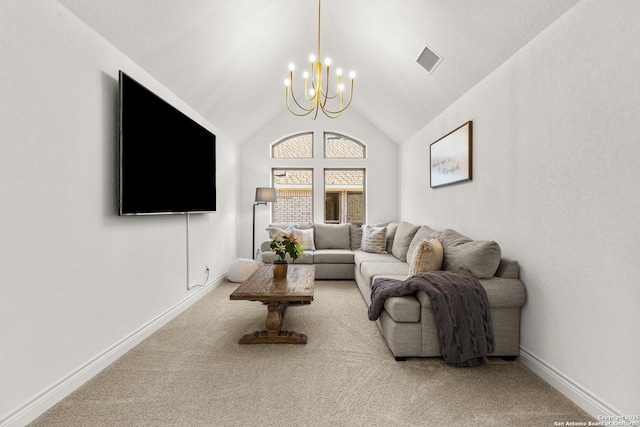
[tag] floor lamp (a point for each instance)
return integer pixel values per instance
(263, 196)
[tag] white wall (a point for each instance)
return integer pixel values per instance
(77, 280)
(381, 166)
(556, 172)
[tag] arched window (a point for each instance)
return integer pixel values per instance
(338, 146)
(294, 147)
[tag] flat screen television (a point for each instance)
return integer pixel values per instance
(167, 161)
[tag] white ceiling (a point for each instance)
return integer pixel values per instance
(228, 58)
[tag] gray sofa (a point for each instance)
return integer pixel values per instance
(408, 322)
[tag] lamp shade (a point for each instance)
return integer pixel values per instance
(266, 194)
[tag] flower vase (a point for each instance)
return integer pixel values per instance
(280, 268)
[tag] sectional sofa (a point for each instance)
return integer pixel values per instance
(408, 322)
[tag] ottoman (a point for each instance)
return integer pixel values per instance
(241, 269)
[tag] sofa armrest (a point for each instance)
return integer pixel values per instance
(265, 246)
(508, 269)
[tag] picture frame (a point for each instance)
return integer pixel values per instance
(450, 157)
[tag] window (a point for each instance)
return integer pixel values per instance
(294, 147)
(344, 196)
(340, 147)
(295, 195)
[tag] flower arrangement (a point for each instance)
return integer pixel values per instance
(287, 244)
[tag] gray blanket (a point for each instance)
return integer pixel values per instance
(461, 309)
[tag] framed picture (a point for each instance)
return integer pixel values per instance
(450, 157)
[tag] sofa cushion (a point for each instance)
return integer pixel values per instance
(361, 256)
(403, 309)
(371, 269)
(305, 238)
(332, 236)
(333, 256)
(428, 257)
(424, 232)
(373, 239)
(355, 232)
(479, 257)
(402, 240)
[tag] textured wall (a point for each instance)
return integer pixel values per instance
(77, 279)
(556, 170)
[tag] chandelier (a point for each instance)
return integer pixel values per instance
(317, 95)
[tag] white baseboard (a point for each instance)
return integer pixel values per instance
(574, 392)
(48, 398)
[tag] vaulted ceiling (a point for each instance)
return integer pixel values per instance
(228, 58)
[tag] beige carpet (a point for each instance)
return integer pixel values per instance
(193, 372)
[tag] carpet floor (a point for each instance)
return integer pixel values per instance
(193, 372)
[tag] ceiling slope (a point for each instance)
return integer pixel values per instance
(228, 58)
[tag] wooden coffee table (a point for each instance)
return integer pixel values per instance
(297, 287)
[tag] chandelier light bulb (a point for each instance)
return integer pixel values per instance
(352, 75)
(305, 75)
(340, 87)
(312, 58)
(287, 82)
(327, 61)
(339, 72)
(292, 66)
(312, 92)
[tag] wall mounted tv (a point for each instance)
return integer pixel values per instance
(167, 161)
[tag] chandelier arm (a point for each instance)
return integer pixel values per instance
(328, 112)
(293, 96)
(293, 112)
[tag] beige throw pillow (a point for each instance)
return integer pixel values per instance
(428, 256)
(305, 238)
(374, 239)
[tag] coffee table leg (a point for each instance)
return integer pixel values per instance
(275, 314)
(273, 334)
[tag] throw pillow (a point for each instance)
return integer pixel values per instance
(402, 240)
(277, 232)
(428, 257)
(355, 231)
(424, 232)
(374, 239)
(479, 257)
(391, 233)
(305, 238)
(332, 236)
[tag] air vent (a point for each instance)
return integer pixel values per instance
(429, 59)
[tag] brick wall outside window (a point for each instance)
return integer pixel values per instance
(293, 206)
